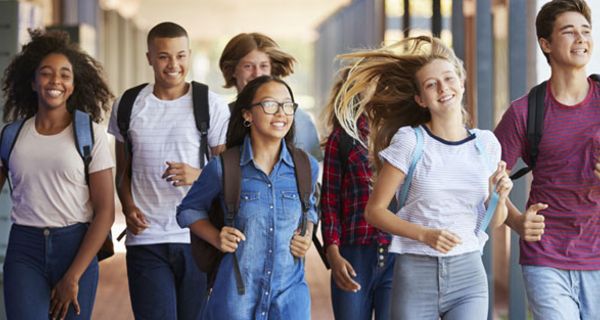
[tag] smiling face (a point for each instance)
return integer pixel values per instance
(251, 66)
(570, 44)
(169, 57)
(54, 81)
(265, 126)
(441, 89)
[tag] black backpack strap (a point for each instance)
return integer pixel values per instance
(345, 146)
(124, 113)
(84, 139)
(232, 187)
(202, 117)
(535, 125)
(595, 77)
(8, 138)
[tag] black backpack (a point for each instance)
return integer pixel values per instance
(84, 141)
(208, 257)
(200, 101)
(535, 123)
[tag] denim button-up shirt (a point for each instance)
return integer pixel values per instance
(269, 214)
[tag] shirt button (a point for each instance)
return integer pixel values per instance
(381, 257)
(264, 313)
(266, 293)
(271, 229)
(380, 250)
(271, 207)
(269, 185)
(269, 272)
(270, 251)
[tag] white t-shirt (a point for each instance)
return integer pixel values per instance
(448, 189)
(48, 177)
(160, 131)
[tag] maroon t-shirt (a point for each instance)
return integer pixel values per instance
(563, 178)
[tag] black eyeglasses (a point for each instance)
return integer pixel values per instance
(272, 107)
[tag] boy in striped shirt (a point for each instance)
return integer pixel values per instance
(560, 230)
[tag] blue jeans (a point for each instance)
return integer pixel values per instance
(36, 260)
(555, 294)
(164, 282)
(450, 288)
(375, 278)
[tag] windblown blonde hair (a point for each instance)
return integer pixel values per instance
(382, 84)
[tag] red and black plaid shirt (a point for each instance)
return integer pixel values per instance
(343, 198)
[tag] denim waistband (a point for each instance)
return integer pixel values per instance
(50, 230)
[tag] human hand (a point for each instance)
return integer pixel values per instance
(135, 219)
(63, 295)
(300, 244)
(501, 181)
(229, 238)
(531, 224)
(180, 174)
(342, 271)
(441, 240)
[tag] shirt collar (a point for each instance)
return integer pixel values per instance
(247, 155)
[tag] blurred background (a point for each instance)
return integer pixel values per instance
(495, 38)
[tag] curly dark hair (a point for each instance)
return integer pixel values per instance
(236, 131)
(91, 93)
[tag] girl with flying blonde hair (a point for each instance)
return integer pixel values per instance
(416, 91)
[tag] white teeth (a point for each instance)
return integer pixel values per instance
(579, 51)
(172, 74)
(54, 93)
(445, 98)
(278, 124)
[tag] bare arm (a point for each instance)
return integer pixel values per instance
(136, 221)
(377, 214)
(103, 204)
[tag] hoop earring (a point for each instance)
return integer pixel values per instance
(247, 123)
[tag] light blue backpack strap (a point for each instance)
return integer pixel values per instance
(10, 132)
(416, 156)
(84, 138)
(493, 203)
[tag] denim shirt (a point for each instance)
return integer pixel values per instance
(269, 214)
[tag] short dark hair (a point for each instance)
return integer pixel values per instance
(544, 22)
(166, 30)
(236, 131)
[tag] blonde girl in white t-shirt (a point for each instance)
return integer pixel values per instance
(418, 84)
(60, 221)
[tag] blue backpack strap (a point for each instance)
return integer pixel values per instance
(84, 138)
(10, 132)
(493, 203)
(416, 156)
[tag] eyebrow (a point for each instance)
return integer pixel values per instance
(573, 26)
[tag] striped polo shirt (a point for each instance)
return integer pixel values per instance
(448, 189)
(563, 178)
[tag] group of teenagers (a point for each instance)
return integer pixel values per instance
(398, 130)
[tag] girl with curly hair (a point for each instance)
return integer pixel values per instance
(417, 91)
(61, 217)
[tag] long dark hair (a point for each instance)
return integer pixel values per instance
(91, 93)
(236, 131)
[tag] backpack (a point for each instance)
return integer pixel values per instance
(206, 256)
(200, 102)
(84, 142)
(535, 123)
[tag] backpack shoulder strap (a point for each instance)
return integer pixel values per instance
(595, 77)
(304, 183)
(8, 138)
(416, 156)
(125, 107)
(84, 138)
(345, 146)
(232, 185)
(202, 117)
(535, 125)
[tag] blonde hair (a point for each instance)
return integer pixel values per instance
(382, 84)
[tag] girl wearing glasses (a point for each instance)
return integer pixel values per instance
(266, 240)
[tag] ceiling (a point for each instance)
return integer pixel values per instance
(213, 19)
